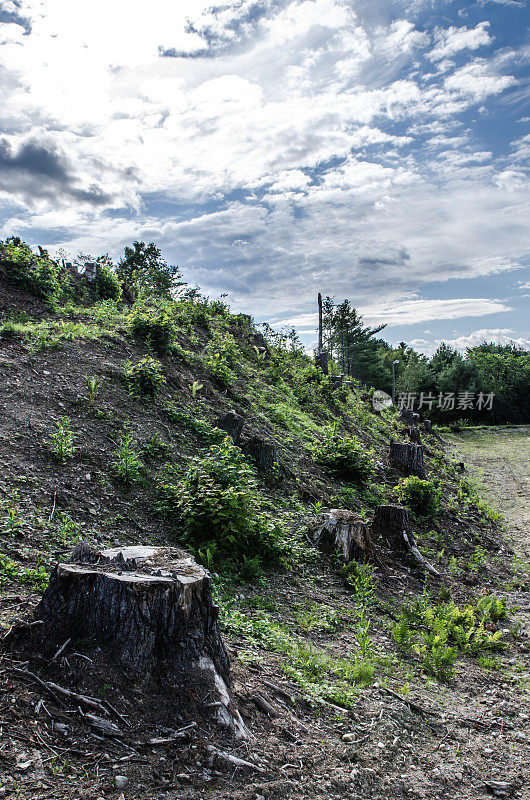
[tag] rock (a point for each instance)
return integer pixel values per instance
(121, 781)
(348, 737)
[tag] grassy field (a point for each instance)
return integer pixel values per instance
(499, 458)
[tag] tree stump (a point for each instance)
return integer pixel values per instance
(232, 423)
(151, 613)
(392, 523)
(427, 424)
(414, 434)
(263, 454)
(346, 533)
(408, 458)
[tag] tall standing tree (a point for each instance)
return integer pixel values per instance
(147, 273)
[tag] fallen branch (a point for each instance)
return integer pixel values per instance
(55, 690)
(230, 759)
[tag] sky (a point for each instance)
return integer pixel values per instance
(371, 149)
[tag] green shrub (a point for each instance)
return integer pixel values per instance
(422, 497)
(156, 327)
(216, 505)
(107, 283)
(61, 442)
(37, 274)
(345, 456)
(145, 378)
(200, 427)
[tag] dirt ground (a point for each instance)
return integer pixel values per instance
(499, 458)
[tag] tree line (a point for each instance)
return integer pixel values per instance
(488, 384)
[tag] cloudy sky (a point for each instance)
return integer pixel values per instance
(370, 149)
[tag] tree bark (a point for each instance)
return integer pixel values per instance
(232, 423)
(407, 458)
(392, 523)
(346, 533)
(263, 454)
(151, 613)
(414, 434)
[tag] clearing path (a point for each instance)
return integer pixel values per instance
(500, 459)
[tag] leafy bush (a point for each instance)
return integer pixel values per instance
(216, 505)
(107, 283)
(147, 273)
(422, 497)
(145, 378)
(38, 274)
(345, 456)
(61, 442)
(156, 327)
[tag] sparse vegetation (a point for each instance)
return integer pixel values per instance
(145, 378)
(61, 442)
(421, 496)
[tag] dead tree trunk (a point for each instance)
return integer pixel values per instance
(346, 533)
(151, 613)
(263, 454)
(232, 423)
(408, 458)
(392, 523)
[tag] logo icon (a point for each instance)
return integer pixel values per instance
(381, 400)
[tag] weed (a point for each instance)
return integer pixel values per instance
(93, 384)
(155, 327)
(154, 448)
(61, 442)
(476, 561)
(127, 465)
(196, 388)
(217, 501)
(67, 530)
(421, 496)
(344, 456)
(437, 633)
(145, 378)
(200, 427)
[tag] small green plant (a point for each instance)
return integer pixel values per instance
(436, 633)
(154, 448)
(345, 456)
(93, 385)
(476, 561)
(145, 378)
(200, 427)
(421, 496)
(67, 530)
(127, 465)
(61, 442)
(196, 388)
(155, 327)
(363, 591)
(107, 283)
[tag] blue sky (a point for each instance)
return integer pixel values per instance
(367, 149)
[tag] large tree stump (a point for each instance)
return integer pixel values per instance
(151, 613)
(232, 423)
(408, 458)
(263, 454)
(392, 523)
(346, 533)
(427, 424)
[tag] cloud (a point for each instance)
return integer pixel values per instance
(409, 312)
(452, 40)
(37, 170)
(461, 343)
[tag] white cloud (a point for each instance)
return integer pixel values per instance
(409, 312)
(477, 81)
(461, 343)
(452, 40)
